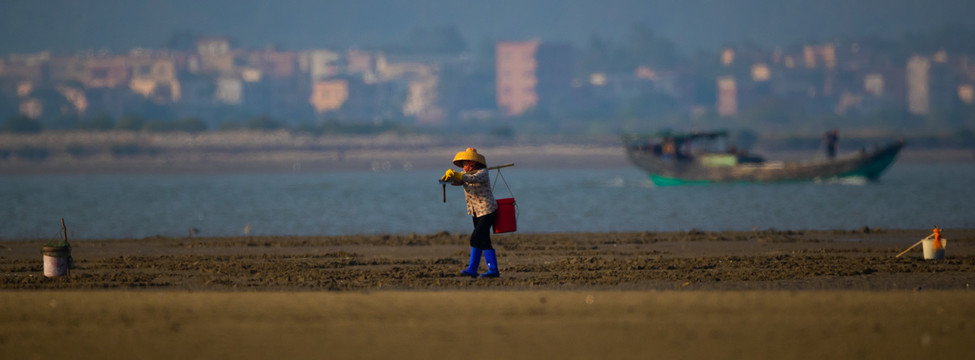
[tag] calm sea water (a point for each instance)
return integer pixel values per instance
(909, 196)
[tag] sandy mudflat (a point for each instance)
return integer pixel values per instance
(765, 294)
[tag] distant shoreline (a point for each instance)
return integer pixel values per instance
(72, 153)
(540, 156)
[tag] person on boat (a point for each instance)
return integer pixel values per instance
(830, 139)
(657, 149)
(669, 148)
(481, 205)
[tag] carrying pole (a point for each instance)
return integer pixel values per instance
(913, 246)
(443, 184)
(64, 231)
(501, 166)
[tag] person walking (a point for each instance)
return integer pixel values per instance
(481, 205)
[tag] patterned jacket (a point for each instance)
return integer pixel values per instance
(477, 192)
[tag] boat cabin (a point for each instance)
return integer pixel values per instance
(707, 148)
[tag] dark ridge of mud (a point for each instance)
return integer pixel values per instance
(687, 260)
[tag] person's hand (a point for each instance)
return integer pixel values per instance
(452, 176)
(447, 174)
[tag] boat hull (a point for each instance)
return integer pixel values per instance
(667, 171)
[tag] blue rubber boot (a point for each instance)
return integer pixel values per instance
(475, 261)
(491, 258)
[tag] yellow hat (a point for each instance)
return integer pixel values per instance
(470, 154)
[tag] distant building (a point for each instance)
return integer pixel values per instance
(25, 88)
(826, 53)
(75, 96)
(918, 85)
(789, 62)
(215, 55)
(230, 90)
(727, 57)
(274, 83)
(761, 72)
(107, 72)
(213, 46)
(68, 69)
(727, 96)
(394, 68)
(349, 98)
(31, 108)
(30, 67)
(274, 64)
(197, 91)
(329, 95)
(966, 93)
(362, 63)
(319, 64)
(645, 72)
(416, 78)
(251, 74)
(421, 102)
(531, 73)
(873, 84)
(155, 79)
(848, 101)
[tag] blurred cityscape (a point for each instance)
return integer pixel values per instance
(437, 83)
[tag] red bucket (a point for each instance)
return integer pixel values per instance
(505, 221)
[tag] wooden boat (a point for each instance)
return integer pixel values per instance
(703, 157)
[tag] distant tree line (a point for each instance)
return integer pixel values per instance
(128, 122)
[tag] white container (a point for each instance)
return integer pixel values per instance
(930, 253)
(55, 261)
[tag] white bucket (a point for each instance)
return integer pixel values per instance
(930, 253)
(56, 261)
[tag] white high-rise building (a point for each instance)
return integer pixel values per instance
(918, 85)
(727, 96)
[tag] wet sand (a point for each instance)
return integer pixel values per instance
(762, 294)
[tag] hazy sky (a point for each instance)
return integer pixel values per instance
(70, 25)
